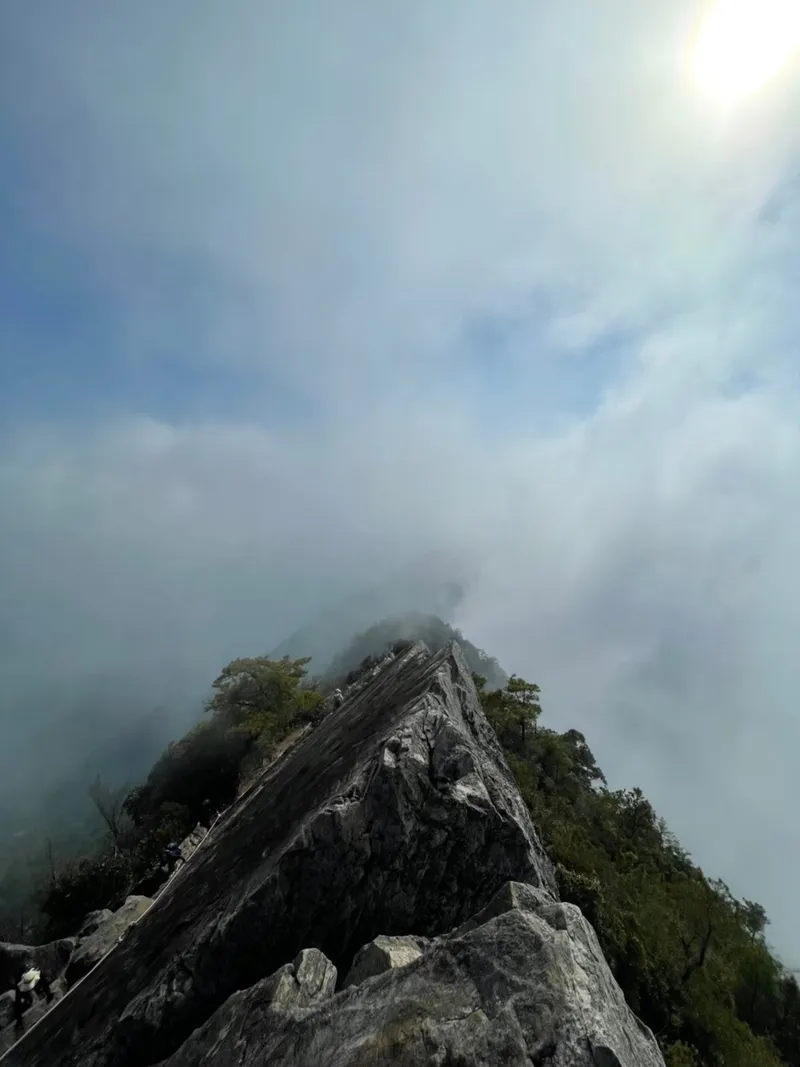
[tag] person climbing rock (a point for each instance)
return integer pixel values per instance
(30, 980)
(338, 698)
(172, 856)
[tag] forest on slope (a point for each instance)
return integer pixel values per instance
(692, 960)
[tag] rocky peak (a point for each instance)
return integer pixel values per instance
(396, 817)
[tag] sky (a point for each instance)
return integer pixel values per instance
(292, 295)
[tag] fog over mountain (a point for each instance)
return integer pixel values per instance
(297, 296)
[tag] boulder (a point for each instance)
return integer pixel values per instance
(310, 979)
(106, 928)
(525, 984)
(397, 815)
(383, 954)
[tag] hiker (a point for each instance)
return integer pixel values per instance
(172, 856)
(30, 980)
(338, 698)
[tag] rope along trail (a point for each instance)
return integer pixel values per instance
(237, 805)
(155, 900)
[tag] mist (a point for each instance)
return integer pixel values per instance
(297, 301)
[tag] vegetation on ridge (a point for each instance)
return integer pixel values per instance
(691, 959)
(255, 704)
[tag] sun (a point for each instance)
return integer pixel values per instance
(744, 43)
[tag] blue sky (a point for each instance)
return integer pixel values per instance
(291, 296)
(66, 353)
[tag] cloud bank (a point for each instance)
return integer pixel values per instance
(300, 294)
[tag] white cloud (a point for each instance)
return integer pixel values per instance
(349, 190)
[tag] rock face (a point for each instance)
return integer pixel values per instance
(103, 930)
(396, 817)
(525, 984)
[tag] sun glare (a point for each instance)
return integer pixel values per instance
(743, 43)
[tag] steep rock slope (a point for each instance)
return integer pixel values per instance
(397, 815)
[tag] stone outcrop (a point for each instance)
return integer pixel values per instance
(397, 817)
(384, 954)
(526, 983)
(103, 930)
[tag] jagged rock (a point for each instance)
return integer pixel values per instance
(94, 920)
(526, 984)
(106, 933)
(51, 958)
(311, 978)
(512, 895)
(384, 954)
(397, 815)
(296, 986)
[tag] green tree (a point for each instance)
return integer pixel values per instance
(264, 697)
(513, 712)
